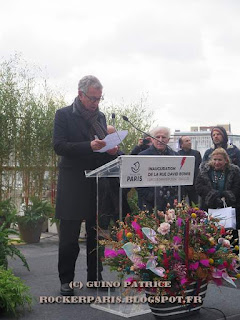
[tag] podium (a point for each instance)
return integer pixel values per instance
(141, 171)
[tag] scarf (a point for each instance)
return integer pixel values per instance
(218, 179)
(91, 117)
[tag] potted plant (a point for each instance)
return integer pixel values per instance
(30, 223)
(14, 294)
(185, 248)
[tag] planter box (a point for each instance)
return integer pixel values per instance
(167, 310)
(30, 233)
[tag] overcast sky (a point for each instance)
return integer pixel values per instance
(184, 55)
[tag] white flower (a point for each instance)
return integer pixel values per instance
(224, 242)
(170, 215)
(164, 228)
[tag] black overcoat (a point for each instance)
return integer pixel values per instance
(76, 194)
(164, 195)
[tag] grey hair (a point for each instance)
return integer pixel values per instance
(89, 81)
(157, 129)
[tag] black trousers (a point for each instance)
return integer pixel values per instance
(69, 250)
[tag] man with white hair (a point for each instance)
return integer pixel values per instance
(164, 195)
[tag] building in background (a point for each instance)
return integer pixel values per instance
(201, 137)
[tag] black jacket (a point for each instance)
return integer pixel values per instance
(153, 151)
(198, 159)
(232, 151)
(137, 149)
(164, 195)
(76, 194)
(211, 198)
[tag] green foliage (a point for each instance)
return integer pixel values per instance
(54, 220)
(9, 102)
(7, 248)
(14, 294)
(133, 200)
(27, 109)
(37, 210)
(7, 212)
(137, 114)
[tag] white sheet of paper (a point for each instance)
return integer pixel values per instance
(113, 139)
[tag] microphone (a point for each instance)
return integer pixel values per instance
(147, 134)
(113, 125)
(113, 119)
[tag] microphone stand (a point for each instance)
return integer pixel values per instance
(120, 189)
(113, 124)
(113, 120)
(167, 146)
(147, 134)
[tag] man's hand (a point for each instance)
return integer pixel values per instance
(113, 151)
(97, 144)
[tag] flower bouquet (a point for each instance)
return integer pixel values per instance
(182, 246)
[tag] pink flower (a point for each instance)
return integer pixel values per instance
(170, 215)
(137, 228)
(205, 262)
(211, 250)
(179, 222)
(141, 265)
(109, 253)
(121, 251)
(194, 266)
(180, 270)
(176, 255)
(177, 240)
(129, 279)
(183, 281)
(175, 202)
(164, 228)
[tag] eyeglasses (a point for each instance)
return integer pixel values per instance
(93, 99)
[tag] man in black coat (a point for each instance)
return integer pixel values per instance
(186, 150)
(164, 195)
(78, 133)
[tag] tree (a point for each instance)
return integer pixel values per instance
(9, 104)
(137, 113)
(27, 109)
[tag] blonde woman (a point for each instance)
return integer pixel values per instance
(218, 179)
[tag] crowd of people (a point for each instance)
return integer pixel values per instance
(79, 130)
